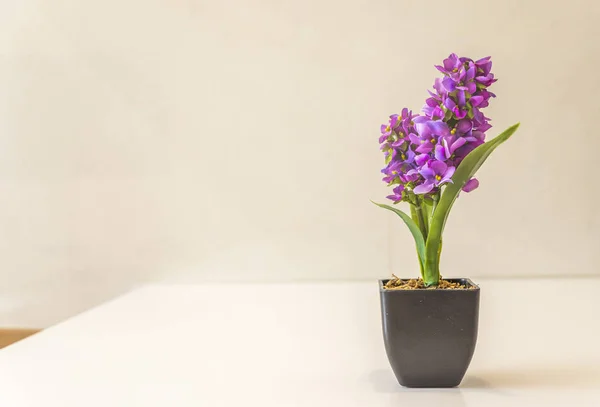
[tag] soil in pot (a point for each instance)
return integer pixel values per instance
(418, 284)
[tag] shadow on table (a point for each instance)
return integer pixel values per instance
(383, 381)
(500, 381)
(564, 377)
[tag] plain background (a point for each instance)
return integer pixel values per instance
(188, 141)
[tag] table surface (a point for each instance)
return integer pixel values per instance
(302, 345)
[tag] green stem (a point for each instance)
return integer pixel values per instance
(436, 198)
(421, 219)
(415, 217)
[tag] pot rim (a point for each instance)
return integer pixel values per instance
(463, 280)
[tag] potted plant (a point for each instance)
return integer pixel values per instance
(430, 323)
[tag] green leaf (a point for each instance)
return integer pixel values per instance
(414, 229)
(465, 171)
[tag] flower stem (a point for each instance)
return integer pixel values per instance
(415, 217)
(436, 198)
(431, 272)
(421, 219)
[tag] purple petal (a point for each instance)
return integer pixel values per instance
(470, 185)
(466, 149)
(449, 84)
(433, 102)
(414, 139)
(479, 135)
(437, 85)
(448, 174)
(446, 148)
(460, 114)
(394, 166)
(423, 188)
(439, 128)
(476, 100)
(439, 167)
(437, 113)
(423, 129)
(471, 87)
(478, 117)
(484, 64)
(457, 144)
(424, 148)
(411, 175)
(421, 159)
(428, 110)
(491, 94)
(461, 98)
(451, 62)
(427, 172)
(464, 126)
(449, 103)
(398, 143)
(440, 153)
(470, 73)
(486, 80)
(484, 127)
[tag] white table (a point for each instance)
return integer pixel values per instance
(301, 345)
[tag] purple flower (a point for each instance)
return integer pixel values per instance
(445, 150)
(422, 152)
(451, 66)
(406, 157)
(484, 65)
(449, 84)
(407, 121)
(431, 128)
(435, 174)
(421, 159)
(411, 176)
(432, 107)
(392, 172)
(463, 151)
(388, 129)
(398, 192)
(459, 113)
(428, 132)
(486, 80)
(464, 126)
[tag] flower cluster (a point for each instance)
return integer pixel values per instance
(423, 151)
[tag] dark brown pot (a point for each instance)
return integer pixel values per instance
(430, 335)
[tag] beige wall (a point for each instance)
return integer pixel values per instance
(189, 140)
